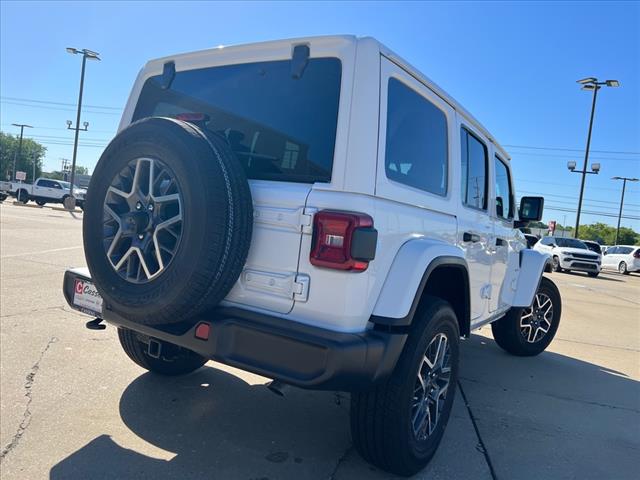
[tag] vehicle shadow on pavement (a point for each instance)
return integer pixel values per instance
(602, 276)
(217, 426)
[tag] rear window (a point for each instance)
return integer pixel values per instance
(279, 127)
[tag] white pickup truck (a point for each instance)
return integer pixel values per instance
(5, 190)
(319, 212)
(47, 190)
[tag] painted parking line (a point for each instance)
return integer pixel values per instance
(41, 251)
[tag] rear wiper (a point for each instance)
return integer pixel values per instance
(299, 61)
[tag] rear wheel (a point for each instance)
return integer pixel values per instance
(42, 203)
(398, 425)
(23, 196)
(622, 268)
(529, 331)
(172, 361)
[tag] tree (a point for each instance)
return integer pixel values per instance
(58, 175)
(30, 150)
(606, 235)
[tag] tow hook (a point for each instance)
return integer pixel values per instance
(95, 324)
(155, 348)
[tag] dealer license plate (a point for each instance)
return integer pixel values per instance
(86, 298)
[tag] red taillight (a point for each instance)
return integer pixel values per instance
(333, 240)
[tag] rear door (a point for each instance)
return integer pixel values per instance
(610, 258)
(475, 225)
(279, 116)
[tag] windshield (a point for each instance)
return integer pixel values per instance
(593, 246)
(280, 127)
(570, 243)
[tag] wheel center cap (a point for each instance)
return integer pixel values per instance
(136, 222)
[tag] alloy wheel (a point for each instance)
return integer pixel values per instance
(431, 387)
(142, 220)
(535, 321)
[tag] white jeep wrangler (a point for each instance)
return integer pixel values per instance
(319, 212)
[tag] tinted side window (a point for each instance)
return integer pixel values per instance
(280, 127)
(56, 185)
(474, 171)
(612, 250)
(416, 143)
(44, 183)
(546, 240)
(504, 205)
(625, 250)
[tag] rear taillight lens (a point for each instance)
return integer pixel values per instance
(343, 240)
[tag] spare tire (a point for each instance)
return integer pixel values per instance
(168, 223)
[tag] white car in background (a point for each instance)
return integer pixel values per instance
(570, 254)
(624, 258)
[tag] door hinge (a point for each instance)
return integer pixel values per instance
(301, 288)
(306, 219)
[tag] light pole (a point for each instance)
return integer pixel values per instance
(17, 154)
(590, 83)
(595, 169)
(33, 179)
(624, 184)
(70, 203)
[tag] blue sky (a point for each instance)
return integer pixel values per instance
(513, 65)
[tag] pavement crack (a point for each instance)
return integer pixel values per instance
(481, 446)
(26, 416)
(340, 461)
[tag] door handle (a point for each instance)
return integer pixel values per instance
(500, 242)
(470, 237)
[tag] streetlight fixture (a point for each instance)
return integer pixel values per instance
(624, 184)
(17, 154)
(590, 83)
(70, 203)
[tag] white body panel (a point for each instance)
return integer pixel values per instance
(414, 227)
(405, 275)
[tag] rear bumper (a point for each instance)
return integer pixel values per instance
(294, 353)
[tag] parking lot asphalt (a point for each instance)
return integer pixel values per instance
(73, 406)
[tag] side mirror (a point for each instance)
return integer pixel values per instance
(530, 210)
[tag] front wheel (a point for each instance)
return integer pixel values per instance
(42, 203)
(622, 268)
(555, 264)
(398, 425)
(172, 361)
(529, 331)
(593, 274)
